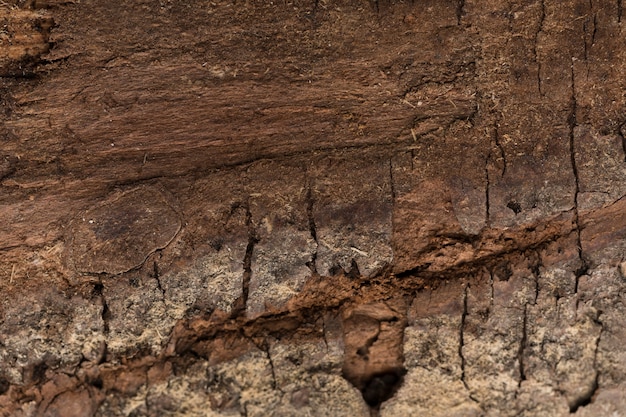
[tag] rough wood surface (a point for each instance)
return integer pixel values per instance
(312, 208)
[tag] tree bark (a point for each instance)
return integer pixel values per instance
(312, 207)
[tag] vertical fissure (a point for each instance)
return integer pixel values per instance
(542, 17)
(491, 290)
(496, 139)
(595, 29)
(324, 333)
(391, 182)
(536, 270)
(572, 122)
(522, 347)
(157, 276)
(460, 6)
(619, 11)
(462, 339)
(266, 348)
(105, 315)
(621, 133)
(590, 30)
(247, 260)
(376, 6)
(487, 198)
(312, 264)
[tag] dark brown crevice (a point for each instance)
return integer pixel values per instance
(98, 291)
(487, 197)
(619, 11)
(392, 185)
(572, 123)
(542, 18)
(264, 346)
(514, 206)
(4, 386)
(462, 345)
(373, 361)
(585, 46)
(496, 139)
(595, 29)
(590, 30)
(522, 347)
(316, 5)
(462, 338)
(460, 11)
(312, 264)
(157, 276)
(585, 399)
(242, 302)
(375, 5)
(370, 342)
(622, 135)
(536, 271)
(491, 289)
(382, 386)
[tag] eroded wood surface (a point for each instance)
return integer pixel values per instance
(294, 201)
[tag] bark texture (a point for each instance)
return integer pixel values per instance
(312, 207)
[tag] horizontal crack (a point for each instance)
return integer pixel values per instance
(490, 245)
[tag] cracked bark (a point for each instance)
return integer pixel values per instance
(106, 314)
(459, 11)
(572, 137)
(522, 347)
(462, 340)
(381, 108)
(157, 277)
(242, 303)
(542, 18)
(496, 138)
(312, 227)
(487, 220)
(620, 133)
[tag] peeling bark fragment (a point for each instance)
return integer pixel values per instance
(24, 38)
(373, 336)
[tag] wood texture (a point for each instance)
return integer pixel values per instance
(312, 207)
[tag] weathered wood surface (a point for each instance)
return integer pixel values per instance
(253, 206)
